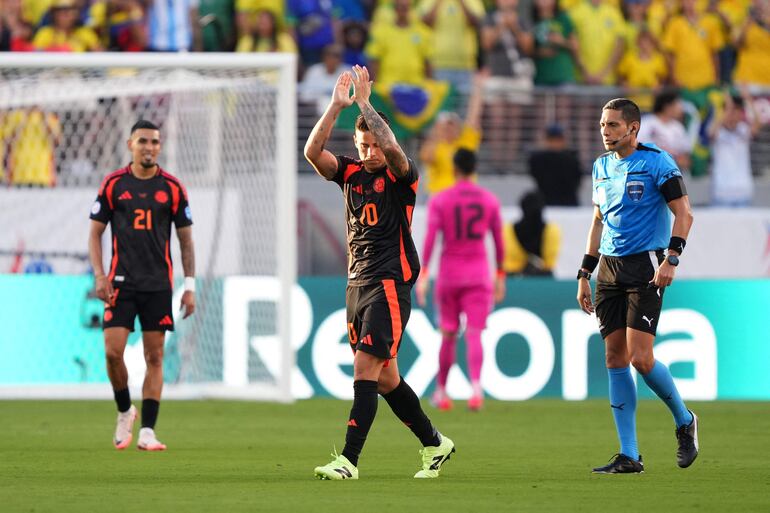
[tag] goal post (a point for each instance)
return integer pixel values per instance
(228, 129)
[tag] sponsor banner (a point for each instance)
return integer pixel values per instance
(712, 334)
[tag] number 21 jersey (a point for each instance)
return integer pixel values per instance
(140, 213)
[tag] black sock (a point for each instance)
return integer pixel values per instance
(150, 409)
(361, 417)
(406, 405)
(123, 399)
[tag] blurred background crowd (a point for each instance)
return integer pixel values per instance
(519, 81)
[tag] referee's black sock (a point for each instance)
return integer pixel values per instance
(123, 399)
(406, 405)
(361, 417)
(150, 409)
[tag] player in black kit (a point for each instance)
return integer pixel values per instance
(140, 202)
(380, 189)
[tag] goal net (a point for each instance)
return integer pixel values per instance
(228, 129)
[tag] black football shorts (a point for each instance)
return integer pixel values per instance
(153, 309)
(377, 314)
(624, 296)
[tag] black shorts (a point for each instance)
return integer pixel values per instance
(624, 296)
(377, 315)
(153, 308)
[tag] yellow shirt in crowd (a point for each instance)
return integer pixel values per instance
(456, 44)
(598, 30)
(440, 172)
(694, 47)
(82, 39)
(401, 52)
(284, 43)
(754, 57)
(31, 134)
(515, 257)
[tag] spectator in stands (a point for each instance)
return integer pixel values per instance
(448, 134)
(354, 37)
(600, 33)
(455, 25)
(119, 25)
(173, 26)
(266, 36)
(353, 10)
(556, 169)
(664, 128)
(247, 11)
(400, 52)
(730, 134)
(643, 67)
(692, 40)
(555, 44)
(320, 79)
(635, 16)
(31, 136)
(217, 21)
(314, 26)
(753, 43)
(531, 245)
(66, 34)
(507, 43)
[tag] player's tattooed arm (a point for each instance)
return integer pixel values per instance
(394, 155)
(187, 250)
(322, 160)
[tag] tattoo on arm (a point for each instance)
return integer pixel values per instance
(394, 155)
(187, 250)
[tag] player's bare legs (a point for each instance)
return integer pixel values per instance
(151, 390)
(115, 340)
(658, 378)
(446, 358)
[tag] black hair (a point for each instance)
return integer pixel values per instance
(465, 161)
(664, 99)
(532, 204)
(629, 110)
(144, 124)
(737, 101)
(361, 122)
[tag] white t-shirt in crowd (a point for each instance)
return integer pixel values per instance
(670, 136)
(731, 179)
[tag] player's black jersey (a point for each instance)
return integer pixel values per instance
(378, 211)
(140, 213)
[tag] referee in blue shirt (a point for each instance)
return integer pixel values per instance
(634, 187)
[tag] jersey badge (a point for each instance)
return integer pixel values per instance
(379, 184)
(635, 190)
(161, 196)
(96, 207)
(188, 212)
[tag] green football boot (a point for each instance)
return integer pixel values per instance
(338, 469)
(434, 457)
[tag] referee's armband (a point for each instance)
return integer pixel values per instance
(673, 188)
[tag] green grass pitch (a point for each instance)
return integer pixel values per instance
(238, 456)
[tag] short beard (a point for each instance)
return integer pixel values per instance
(147, 165)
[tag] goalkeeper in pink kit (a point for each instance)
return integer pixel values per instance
(463, 214)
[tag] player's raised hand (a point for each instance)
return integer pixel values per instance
(362, 86)
(584, 296)
(104, 291)
(188, 303)
(341, 95)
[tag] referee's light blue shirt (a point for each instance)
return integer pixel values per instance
(627, 191)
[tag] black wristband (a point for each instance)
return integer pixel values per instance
(677, 244)
(589, 262)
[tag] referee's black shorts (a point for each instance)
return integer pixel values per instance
(377, 314)
(625, 298)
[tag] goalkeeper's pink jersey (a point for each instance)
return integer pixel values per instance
(464, 214)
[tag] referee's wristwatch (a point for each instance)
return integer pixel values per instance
(583, 274)
(672, 260)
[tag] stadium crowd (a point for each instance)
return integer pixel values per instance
(713, 53)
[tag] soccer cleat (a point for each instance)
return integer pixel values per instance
(434, 457)
(687, 439)
(148, 442)
(124, 429)
(621, 464)
(441, 401)
(338, 469)
(475, 403)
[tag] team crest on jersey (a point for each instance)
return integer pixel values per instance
(379, 184)
(96, 207)
(161, 196)
(635, 190)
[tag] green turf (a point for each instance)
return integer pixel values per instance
(234, 456)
